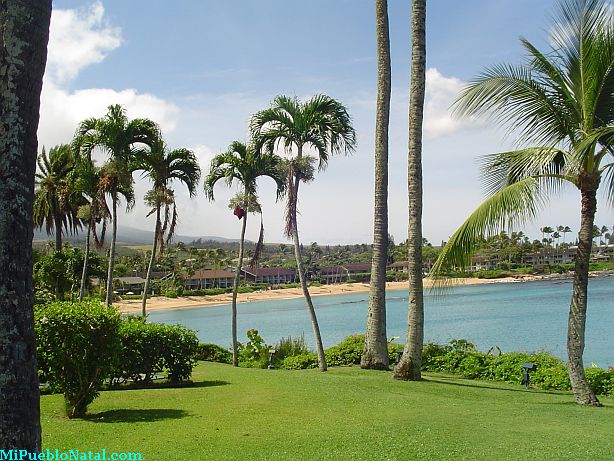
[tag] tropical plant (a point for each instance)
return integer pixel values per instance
(562, 102)
(56, 201)
(121, 139)
(375, 354)
(410, 364)
(321, 123)
(96, 212)
(245, 165)
(162, 167)
(24, 28)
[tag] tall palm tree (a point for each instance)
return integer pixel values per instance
(321, 123)
(24, 28)
(244, 165)
(89, 181)
(121, 139)
(162, 167)
(375, 353)
(562, 102)
(56, 201)
(411, 361)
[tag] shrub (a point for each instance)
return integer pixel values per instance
(601, 381)
(213, 353)
(170, 293)
(289, 347)
(180, 345)
(77, 346)
(347, 352)
(255, 354)
(299, 362)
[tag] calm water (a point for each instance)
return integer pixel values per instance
(514, 316)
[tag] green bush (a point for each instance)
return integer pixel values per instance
(601, 381)
(299, 362)
(289, 347)
(347, 352)
(77, 347)
(180, 346)
(170, 293)
(255, 354)
(213, 353)
(246, 290)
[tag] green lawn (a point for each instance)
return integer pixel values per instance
(346, 413)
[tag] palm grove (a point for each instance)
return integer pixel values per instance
(560, 103)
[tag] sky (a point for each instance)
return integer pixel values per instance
(201, 68)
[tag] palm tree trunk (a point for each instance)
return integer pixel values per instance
(109, 294)
(375, 353)
(86, 258)
(301, 275)
(24, 28)
(152, 259)
(411, 362)
(235, 291)
(577, 310)
(58, 233)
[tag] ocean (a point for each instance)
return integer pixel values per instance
(527, 316)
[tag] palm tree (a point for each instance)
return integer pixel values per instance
(321, 123)
(95, 212)
(375, 353)
(566, 230)
(24, 28)
(121, 139)
(563, 102)
(245, 165)
(411, 360)
(162, 166)
(56, 200)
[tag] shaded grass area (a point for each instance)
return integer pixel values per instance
(344, 414)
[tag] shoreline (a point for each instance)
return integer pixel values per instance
(161, 303)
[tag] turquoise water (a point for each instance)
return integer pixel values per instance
(527, 316)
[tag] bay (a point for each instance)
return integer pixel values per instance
(527, 316)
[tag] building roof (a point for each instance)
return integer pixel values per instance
(211, 274)
(358, 267)
(131, 280)
(268, 271)
(400, 264)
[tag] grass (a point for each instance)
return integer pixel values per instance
(344, 414)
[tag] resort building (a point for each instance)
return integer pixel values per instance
(270, 275)
(130, 285)
(215, 278)
(340, 274)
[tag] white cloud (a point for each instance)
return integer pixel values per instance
(77, 39)
(441, 92)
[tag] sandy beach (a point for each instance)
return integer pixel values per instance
(161, 302)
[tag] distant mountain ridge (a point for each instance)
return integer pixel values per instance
(134, 236)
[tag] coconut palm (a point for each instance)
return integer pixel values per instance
(89, 181)
(121, 139)
(375, 353)
(411, 361)
(56, 201)
(162, 167)
(562, 104)
(244, 165)
(24, 28)
(322, 124)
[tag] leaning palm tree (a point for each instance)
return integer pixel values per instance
(245, 165)
(375, 353)
(562, 103)
(56, 200)
(322, 124)
(411, 361)
(121, 139)
(162, 166)
(89, 180)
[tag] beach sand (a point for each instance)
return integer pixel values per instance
(162, 303)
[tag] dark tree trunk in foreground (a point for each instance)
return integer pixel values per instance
(301, 274)
(152, 259)
(109, 294)
(375, 354)
(24, 33)
(58, 233)
(577, 310)
(86, 258)
(235, 291)
(411, 361)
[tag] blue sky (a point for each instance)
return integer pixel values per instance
(201, 68)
